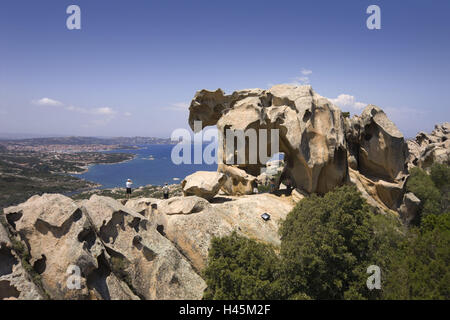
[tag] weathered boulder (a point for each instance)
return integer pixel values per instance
(369, 190)
(238, 182)
(142, 206)
(183, 205)
(377, 145)
(150, 262)
(15, 282)
(120, 255)
(409, 208)
(427, 149)
(311, 130)
(192, 233)
(204, 184)
(298, 195)
(60, 236)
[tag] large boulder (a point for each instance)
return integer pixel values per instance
(238, 182)
(120, 255)
(60, 236)
(204, 184)
(144, 206)
(152, 265)
(183, 205)
(15, 282)
(409, 208)
(192, 233)
(376, 144)
(311, 131)
(427, 149)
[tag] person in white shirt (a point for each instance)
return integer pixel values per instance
(255, 188)
(128, 184)
(166, 191)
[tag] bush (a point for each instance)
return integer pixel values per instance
(440, 174)
(421, 184)
(326, 244)
(240, 268)
(421, 268)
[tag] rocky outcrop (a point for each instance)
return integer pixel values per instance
(192, 233)
(427, 149)
(320, 146)
(409, 208)
(237, 182)
(144, 206)
(183, 205)
(311, 130)
(376, 144)
(204, 184)
(155, 269)
(15, 282)
(377, 158)
(120, 255)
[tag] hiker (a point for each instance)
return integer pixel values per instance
(166, 191)
(255, 187)
(288, 184)
(128, 184)
(272, 185)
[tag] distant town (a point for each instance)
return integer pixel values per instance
(39, 165)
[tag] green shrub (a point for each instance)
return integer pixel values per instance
(326, 245)
(440, 174)
(421, 184)
(240, 268)
(421, 268)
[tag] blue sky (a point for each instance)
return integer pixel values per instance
(135, 65)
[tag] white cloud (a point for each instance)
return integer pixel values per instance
(127, 114)
(348, 101)
(47, 102)
(179, 106)
(303, 79)
(107, 111)
(300, 81)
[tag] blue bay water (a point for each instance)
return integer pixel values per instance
(143, 171)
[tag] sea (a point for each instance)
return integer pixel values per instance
(152, 165)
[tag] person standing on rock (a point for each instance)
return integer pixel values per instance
(255, 188)
(128, 184)
(166, 191)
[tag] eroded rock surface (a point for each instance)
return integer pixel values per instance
(15, 282)
(320, 145)
(118, 254)
(427, 149)
(192, 233)
(183, 205)
(311, 130)
(204, 184)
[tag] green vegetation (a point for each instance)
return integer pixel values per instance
(420, 269)
(326, 245)
(432, 190)
(328, 242)
(18, 183)
(241, 268)
(346, 114)
(22, 251)
(26, 173)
